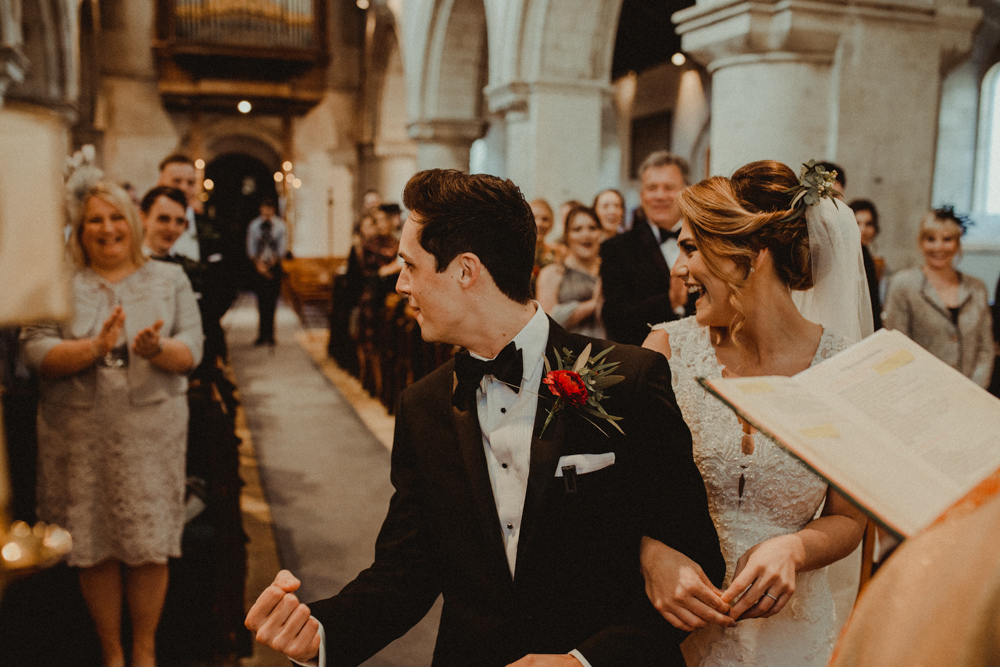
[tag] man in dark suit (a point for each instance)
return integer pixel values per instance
(532, 537)
(201, 247)
(635, 266)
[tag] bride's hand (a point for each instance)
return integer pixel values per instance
(679, 589)
(764, 580)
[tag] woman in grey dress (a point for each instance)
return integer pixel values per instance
(570, 290)
(112, 420)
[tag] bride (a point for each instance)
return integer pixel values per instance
(745, 246)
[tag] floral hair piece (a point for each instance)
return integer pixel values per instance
(814, 184)
(82, 173)
(947, 212)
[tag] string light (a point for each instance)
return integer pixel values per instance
(244, 106)
(678, 59)
(209, 184)
(286, 165)
(278, 177)
(199, 164)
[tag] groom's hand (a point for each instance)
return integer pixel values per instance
(547, 661)
(279, 621)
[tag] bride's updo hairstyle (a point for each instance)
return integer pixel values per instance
(735, 218)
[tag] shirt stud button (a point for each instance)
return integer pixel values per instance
(510, 526)
(503, 410)
(503, 465)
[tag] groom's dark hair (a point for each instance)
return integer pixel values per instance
(476, 213)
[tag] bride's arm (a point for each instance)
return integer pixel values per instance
(766, 572)
(658, 340)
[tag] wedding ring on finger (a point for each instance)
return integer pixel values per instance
(768, 595)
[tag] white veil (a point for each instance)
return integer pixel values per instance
(839, 299)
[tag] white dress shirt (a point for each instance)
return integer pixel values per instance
(507, 421)
(671, 251)
(187, 243)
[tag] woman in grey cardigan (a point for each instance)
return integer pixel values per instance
(113, 416)
(942, 309)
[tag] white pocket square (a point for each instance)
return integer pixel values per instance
(585, 463)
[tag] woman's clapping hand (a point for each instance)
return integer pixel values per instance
(110, 332)
(147, 342)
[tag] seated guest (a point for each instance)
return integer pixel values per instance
(570, 290)
(867, 217)
(635, 266)
(610, 208)
(944, 310)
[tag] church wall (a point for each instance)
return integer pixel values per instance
(137, 131)
(667, 88)
(325, 160)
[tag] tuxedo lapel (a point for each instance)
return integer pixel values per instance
(545, 452)
(651, 247)
(470, 442)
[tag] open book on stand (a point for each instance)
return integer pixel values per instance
(896, 430)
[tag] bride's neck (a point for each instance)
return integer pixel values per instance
(771, 334)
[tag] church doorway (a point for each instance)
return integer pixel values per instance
(240, 183)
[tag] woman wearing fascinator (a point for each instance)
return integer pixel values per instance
(944, 310)
(748, 244)
(113, 418)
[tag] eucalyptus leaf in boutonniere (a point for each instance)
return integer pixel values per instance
(579, 383)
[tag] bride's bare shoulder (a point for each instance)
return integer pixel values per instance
(658, 340)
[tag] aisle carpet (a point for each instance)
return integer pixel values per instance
(325, 475)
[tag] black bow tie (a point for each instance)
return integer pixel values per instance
(663, 234)
(507, 368)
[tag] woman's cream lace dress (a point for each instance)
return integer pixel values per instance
(752, 498)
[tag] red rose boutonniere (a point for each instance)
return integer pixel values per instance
(579, 383)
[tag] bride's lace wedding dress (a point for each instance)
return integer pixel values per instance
(752, 498)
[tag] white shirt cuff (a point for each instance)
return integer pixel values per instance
(320, 660)
(579, 656)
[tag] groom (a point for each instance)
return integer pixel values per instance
(532, 539)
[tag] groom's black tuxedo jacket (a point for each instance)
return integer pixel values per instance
(577, 582)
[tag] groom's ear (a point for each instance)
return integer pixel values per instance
(470, 269)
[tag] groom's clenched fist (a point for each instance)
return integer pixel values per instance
(280, 621)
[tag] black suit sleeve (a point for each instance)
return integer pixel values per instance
(629, 308)
(670, 504)
(399, 588)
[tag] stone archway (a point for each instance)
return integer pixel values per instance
(448, 113)
(389, 155)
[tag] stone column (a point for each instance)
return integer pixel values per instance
(553, 136)
(445, 144)
(858, 84)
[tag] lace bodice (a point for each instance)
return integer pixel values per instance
(752, 498)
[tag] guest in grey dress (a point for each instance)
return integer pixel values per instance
(570, 290)
(112, 420)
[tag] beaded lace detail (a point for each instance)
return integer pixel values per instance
(752, 498)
